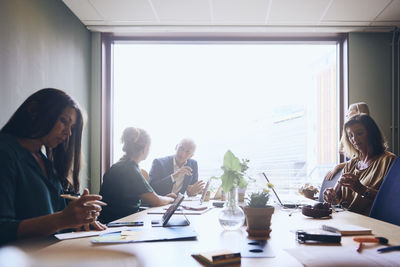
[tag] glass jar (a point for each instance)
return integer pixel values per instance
(231, 216)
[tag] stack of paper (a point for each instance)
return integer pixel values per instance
(347, 229)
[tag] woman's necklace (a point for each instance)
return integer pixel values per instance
(363, 164)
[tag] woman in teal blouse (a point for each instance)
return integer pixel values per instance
(31, 179)
(124, 186)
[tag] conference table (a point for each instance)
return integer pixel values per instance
(211, 236)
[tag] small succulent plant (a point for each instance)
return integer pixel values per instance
(259, 199)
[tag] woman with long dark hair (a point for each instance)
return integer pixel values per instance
(40, 148)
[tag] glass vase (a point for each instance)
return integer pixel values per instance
(231, 216)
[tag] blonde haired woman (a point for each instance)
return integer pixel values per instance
(124, 186)
(363, 174)
(345, 148)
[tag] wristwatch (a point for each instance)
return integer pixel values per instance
(367, 193)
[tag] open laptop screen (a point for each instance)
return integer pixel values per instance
(203, 196)
(171, 210)
(285, 205)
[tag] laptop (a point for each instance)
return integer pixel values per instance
(199, 205)
(166, 220)
(285, 205)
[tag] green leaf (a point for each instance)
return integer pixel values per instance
(258, 200)
(242, 183)
(227, 182)
(231, 162)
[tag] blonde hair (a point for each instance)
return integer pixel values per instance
(345, 147)
(134, 140)
(354, 109)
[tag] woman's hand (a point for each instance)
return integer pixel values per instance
(351, 181)
(330, 195)
(96, 225)
(83, 211)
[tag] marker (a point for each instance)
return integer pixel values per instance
(71, 197)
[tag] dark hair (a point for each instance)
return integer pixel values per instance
(375, 137)
(37, 116)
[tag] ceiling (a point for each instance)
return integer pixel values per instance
(237, 15)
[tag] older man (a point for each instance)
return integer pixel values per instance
(177, 173)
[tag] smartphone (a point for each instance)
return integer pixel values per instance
(119, 224)
(218, 204)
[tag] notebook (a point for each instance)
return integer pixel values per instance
(285, 205)
(347, 229)
(166, 220)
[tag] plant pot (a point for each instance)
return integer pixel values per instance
(259, 220)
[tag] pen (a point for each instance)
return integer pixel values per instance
(67, 196)
(387, 249)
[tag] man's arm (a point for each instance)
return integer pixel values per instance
(195, 173)
(195, 186)
(161, 182)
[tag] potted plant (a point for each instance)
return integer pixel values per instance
(258, 213)
(232, 216)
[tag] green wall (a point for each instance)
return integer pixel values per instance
(370, 75)
(95, 119)
(43, 44)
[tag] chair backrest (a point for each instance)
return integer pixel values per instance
(145, 174)
(328, 183)
(386, 206)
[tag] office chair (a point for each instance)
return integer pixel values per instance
(386, 206)
(145, 174)
(328, 183)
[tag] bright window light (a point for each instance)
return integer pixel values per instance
(276, 105)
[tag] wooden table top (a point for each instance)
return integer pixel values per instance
(212, 236)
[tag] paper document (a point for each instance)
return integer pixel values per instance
(179, 211)
(72, 235)
(338, 256)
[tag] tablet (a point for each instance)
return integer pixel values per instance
(171, 210)
(165, 220)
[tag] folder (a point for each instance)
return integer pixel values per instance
(146, 235)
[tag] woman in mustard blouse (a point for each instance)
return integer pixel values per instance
(362, 175)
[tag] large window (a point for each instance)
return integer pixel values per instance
(274, 104)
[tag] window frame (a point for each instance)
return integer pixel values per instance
(107, 90)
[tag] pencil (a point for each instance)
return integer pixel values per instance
(359, 248)
(67, 196)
